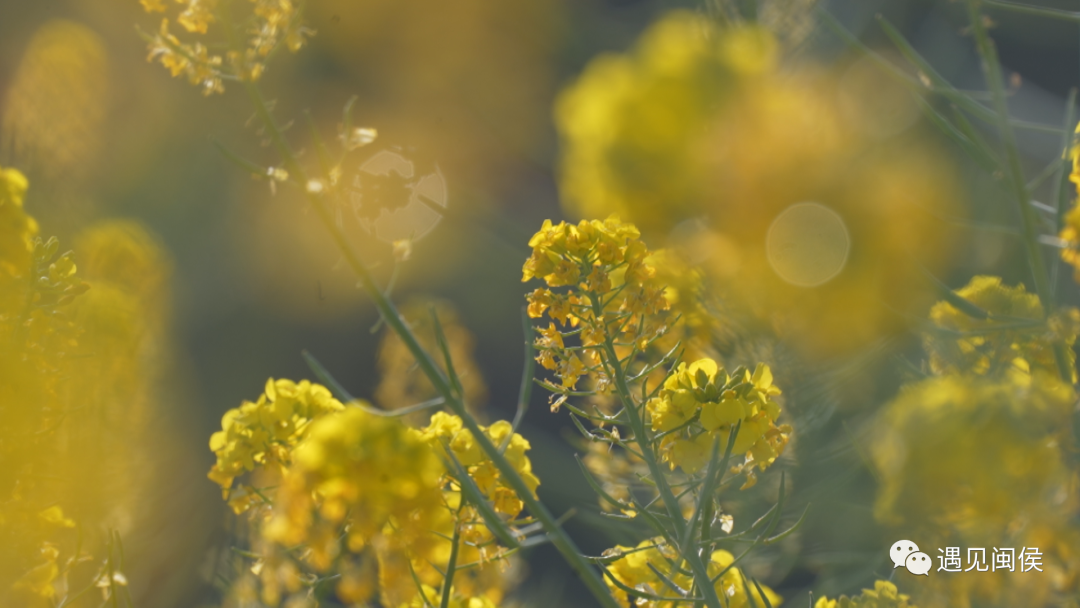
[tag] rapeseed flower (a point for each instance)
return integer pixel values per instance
(82, 353)
(263, 434)
(609, 296)
(57, 102)
(973, 454)
(1012, 338)
(631, 570)
(448, 429)
(806, 213)
(883, 595)
(373, 475)
(273, 23)
(701, 403)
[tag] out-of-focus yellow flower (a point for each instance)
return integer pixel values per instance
(402, 384)
(883, 595)
(808, 213)
(17, 232)
(356, 481)
(1070, 232)
(78, 373)
(973, 453)
(57, 102)
(263, 434)
(431, 596)
(686, 289)
(974, 461)
(632, 570)
(966, 344)
(700, 403)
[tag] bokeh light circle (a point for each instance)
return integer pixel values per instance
(808, 244)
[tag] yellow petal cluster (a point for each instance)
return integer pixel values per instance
(967, 344)
(432, 597)
(447, 429)
(632, 569)
(17, 232)
(81, 357)
(973, 453)
(701, 403)
(610, 294)
(264, 433)
(373, 475)
(271, 24)
(883, 595)
(494, 569)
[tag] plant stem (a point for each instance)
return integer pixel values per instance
(451, 565)
(637, 425)
(1028, 214)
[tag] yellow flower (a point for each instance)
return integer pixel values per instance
(980, 348)
(264, 434)
(599, 261)
(272, 23)
(373, 474)
(701, 403)
(197, 15)
(632, 570)
(448, 429)
(883, 595)
(81, 357)
(803, 211)
(973, 453)
(17, 232)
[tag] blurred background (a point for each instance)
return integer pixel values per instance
(464, 90)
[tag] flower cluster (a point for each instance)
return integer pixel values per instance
(372, 473)
(883, 595)
(701, 403)
(264, 434)
(806, 189)
(81, 349)
(1012, 336)
(611, 301)
(635, 570)
(365, 498)
(272, 23)
(446, 429)
(973, 452)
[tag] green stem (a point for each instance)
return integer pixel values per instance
(1039, 11)
(637, 425)
(451, 565)
(1028, 214)
(389, 313)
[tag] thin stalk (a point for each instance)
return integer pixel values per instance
(1040, 275)
(637, 425)
(1039, 11)
(451, 566)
